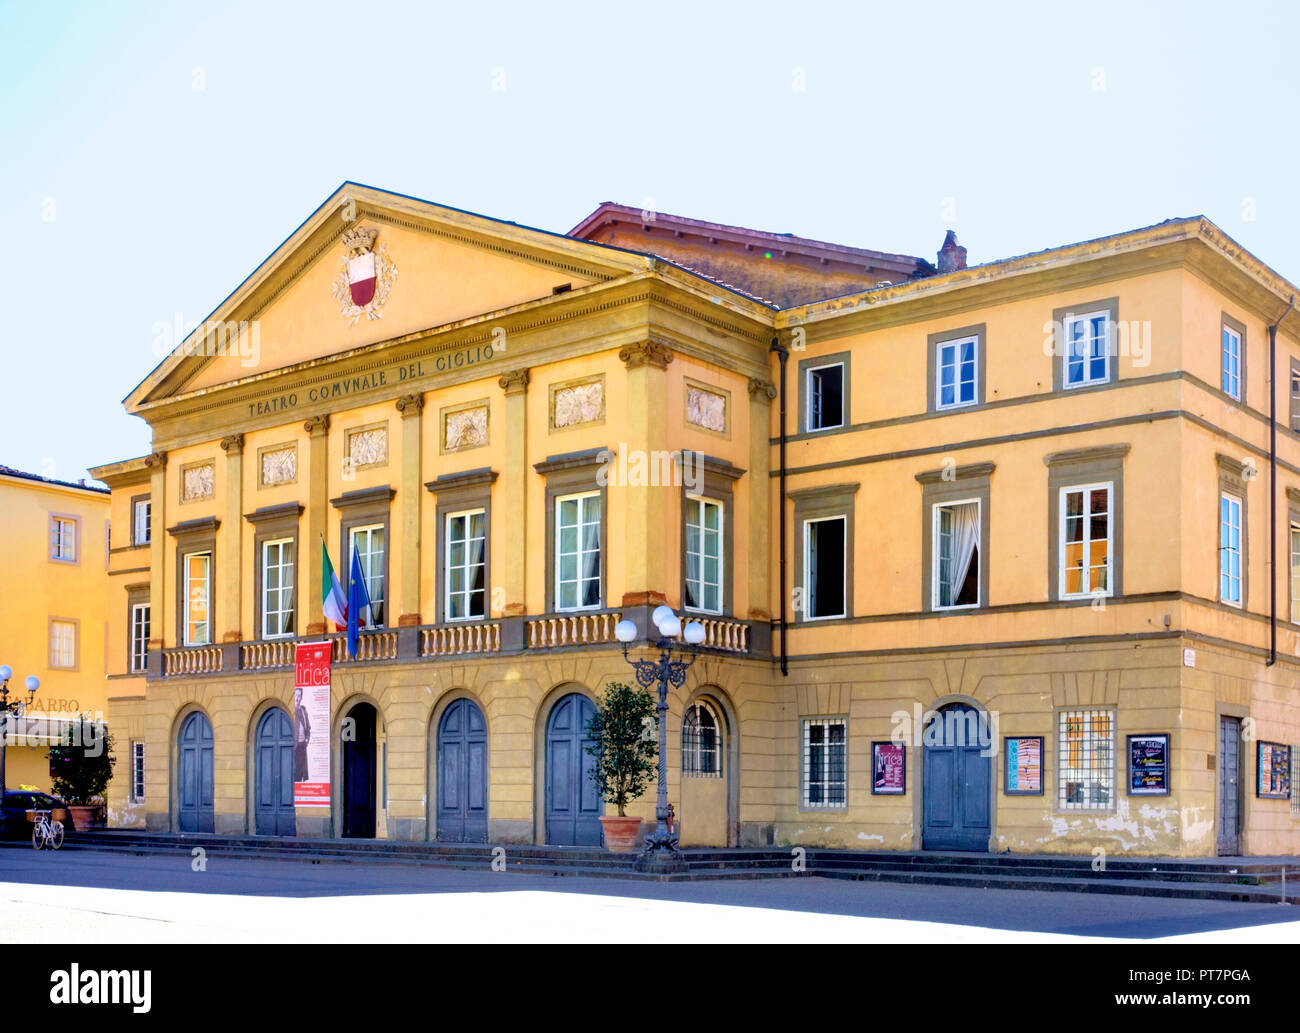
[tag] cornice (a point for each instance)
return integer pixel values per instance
(1095, 454)
(956, 473)
(574, 460)
(362, 497)
(284, 511)
(450, 482)
(190, 528)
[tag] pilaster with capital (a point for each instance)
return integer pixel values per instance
(649, 567)
(514, 492)
(761, 492)
(408, 506)
(317, 429)
(161, 605)
(230, 541)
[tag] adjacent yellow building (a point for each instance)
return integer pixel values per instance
(53, 612)
(983, 554)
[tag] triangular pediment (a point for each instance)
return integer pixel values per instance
(371, 266)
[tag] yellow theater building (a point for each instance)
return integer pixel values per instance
(999, 557)
(53, 612)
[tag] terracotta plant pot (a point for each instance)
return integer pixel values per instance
(621, 834)
(83, 818)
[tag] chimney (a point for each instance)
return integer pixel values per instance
(952, 256)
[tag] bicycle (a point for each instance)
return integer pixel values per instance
(47, 833)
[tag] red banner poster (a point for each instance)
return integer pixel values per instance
(311, 725)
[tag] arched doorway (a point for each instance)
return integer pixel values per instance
(273, 813)
(573, 805)
(705, 774)
(194, 782)
(956, 797)
(462, 774)
(360, 771)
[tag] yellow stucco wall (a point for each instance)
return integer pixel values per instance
(1023, 657)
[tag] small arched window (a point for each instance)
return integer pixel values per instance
(701, 741)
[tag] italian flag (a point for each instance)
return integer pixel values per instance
(335, 602)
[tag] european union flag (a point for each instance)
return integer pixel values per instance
(358, 599)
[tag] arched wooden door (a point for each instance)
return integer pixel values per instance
(360, 772)
(702, 820)
(462, 774)
(956, 798)
(273, 813)
(573, 805)
(194, 783)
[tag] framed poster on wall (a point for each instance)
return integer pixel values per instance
(1273, 771)
(888, 769)
(1024, 765)
(1148, 764)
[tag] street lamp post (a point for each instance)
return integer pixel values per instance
(661, 854)
(16, 708)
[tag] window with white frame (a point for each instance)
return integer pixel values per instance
(368, 544)
(143, 515)
(956, 552)
(1231, 373)
(1295, 394)
(63, 539)
(198, 594)
(1086, 540)
(1230, 549)
(956, 373)
(139, 636)
(825, 571)
(704, 555)
(63, 644)
(1085, 760)
(577, 552)
(701, 741)
(466, 565)
(277, 587)
(825, 392)
(137, 771)
(825, 768)
(1295, 574)
(1087, 349)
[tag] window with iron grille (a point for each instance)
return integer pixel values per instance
(1295, 782)
(137, 771)
(701, 742)
(825, 782)
(1085, 760)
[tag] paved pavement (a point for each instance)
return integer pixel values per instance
(102, 897)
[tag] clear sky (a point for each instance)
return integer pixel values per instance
(151, 155)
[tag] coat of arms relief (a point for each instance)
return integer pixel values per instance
(366, 276)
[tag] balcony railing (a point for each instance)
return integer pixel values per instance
(577, 629)
(433, 642)
(725, 635)
(191, 660)
(459, 639)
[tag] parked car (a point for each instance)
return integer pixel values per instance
(14, 808)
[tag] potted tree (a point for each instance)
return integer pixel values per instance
(625, 758)
(80, 769)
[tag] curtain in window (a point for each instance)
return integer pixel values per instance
(965, 536)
